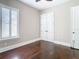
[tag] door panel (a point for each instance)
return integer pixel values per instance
(50, 26)
(75, 12)
(43, 27)
(47, 26)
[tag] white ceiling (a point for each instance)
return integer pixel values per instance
(43, 4)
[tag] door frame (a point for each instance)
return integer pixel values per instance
(53, 25)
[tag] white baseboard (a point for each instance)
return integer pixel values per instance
(60, 43)
(28, 42)
(18, 45)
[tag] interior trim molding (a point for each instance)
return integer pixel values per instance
(28, 42)
(61, 43)
(17, 45)
(58, 42)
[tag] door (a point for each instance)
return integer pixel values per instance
(75, 14)
(44, 26)
(47, 26)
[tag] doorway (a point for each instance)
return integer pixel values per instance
(75, 27)
(47, 26)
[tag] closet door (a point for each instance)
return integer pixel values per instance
(75, 14)
(44, 27)
(47, 26)
(50, 26)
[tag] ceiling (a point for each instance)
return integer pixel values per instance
(43, 4)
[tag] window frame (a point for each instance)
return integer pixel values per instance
(11, 8)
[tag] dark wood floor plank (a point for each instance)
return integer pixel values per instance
(41, 50)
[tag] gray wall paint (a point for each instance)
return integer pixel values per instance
(63, 22)
(29, 22)
(62, 14)
(0, 25)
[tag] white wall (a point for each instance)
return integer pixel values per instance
(29, 22)
(0, 25)
(62, 14)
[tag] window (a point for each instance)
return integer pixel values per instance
(14, 23)
(9, 22)
(5, 22)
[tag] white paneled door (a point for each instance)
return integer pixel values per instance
(47, 26)
(75, 17)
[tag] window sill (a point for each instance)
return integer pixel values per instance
(9, 38)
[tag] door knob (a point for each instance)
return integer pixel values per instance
(73, 32)
(46, 31)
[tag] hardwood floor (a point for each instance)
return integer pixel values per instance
(41, 50)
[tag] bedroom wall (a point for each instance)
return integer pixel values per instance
(29, 22)
(62, 14)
